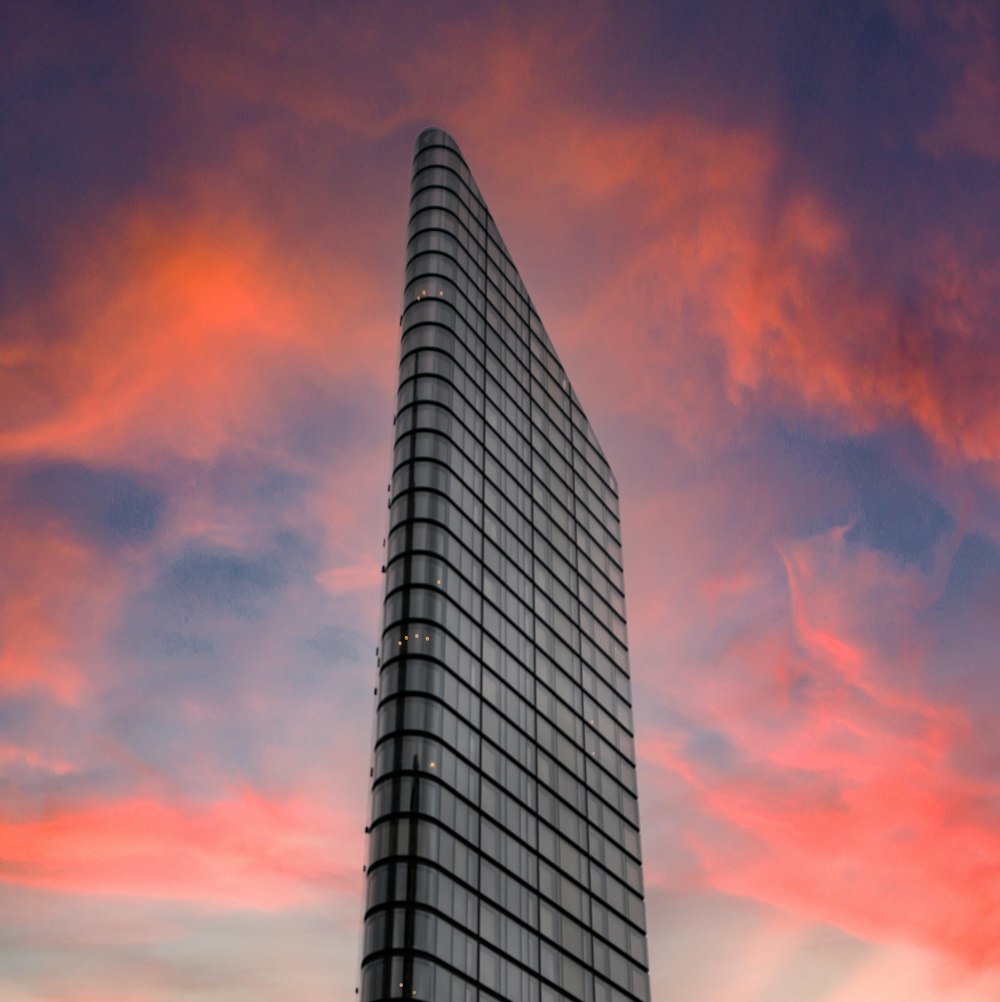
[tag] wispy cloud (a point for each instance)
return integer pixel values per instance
(766, 250)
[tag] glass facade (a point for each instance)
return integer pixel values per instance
(504, 858)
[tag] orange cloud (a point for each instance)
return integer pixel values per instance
(170, 334)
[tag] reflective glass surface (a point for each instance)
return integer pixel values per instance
(504, 854)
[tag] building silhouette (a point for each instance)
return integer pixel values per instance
(504, 858)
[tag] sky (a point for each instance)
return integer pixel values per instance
(764, 238)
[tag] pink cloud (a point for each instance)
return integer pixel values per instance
(755, 305)
(846, 805)
(704, 287)
(245, 851)
(689, 296)
(47, 617)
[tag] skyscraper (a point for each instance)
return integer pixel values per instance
(504, 857)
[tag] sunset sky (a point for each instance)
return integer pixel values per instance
(765, 239)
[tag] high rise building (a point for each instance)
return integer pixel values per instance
(504, 856)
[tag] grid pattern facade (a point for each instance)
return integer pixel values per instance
(504, 858)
